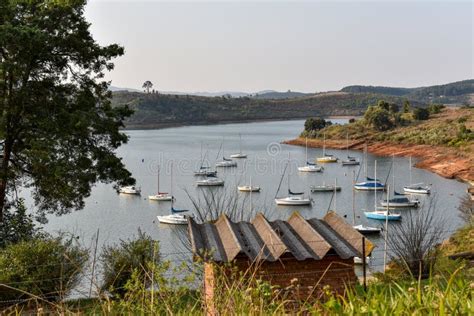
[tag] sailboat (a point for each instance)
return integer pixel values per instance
(210, 181)
(174, 218)
(161, 196)
(350, 161)
(204, 170)
(293, 198)
(417, 188)
(325, 188)
(310, 167)
(248, 188)
(240, 154)
(225, 161)
(370, 184)
(327, 158)
(382, 214)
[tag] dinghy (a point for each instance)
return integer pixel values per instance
(130, 190)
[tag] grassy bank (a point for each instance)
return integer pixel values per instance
(444, 143)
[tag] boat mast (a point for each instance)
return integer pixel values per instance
(324, 144)
(240, 144)
(335, 195)
(250, 194)
(375, 186)
(289, 170)
(353, 198)
(393, 174)
(411, 182)
(366, 162)
(158, 180)
(306, 150)
(347, 144)
(386, 231)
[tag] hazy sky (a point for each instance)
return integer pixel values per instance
(303, 46)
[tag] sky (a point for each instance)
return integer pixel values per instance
(308, 46)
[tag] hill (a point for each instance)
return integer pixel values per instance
(452, 93)
(160, 110)
(279, 95)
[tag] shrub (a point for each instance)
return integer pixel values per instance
(121, 261)
(47, 267)
(435, 108)
(315, 124)
(17, 225)
(378, 118)
(421, 114)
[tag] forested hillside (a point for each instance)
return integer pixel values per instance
(159, 110)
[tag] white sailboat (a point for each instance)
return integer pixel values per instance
(204, 170)
(293, 198)
(361, 228)
(210, 181)
(417, 188)
(310, 167)
(248, 188)
(225, 162)
(240, 154)
(161, 196)
(326, 158)
(398, 200)
(173, 219)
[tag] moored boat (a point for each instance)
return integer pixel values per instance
(293, 200)
(383, 215)
(400, 202)
(367, 230)
(418, 188)
(130, 190)
(325, 188)
(248, 188)
(210, 181)
(370, 185)
(173, 219)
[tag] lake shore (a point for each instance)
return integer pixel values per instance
(223, 122)
(444, 161)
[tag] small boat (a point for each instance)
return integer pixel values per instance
(204, 171)
(326, 158)
(239, 155)
(248, 188)
(383, 215)
(418, 188)
(161, 196)
(367, 230)
(174, 219)
(399, 202)
(210, 181)
(350, 161)
(225, 163)
(370, 185)
(310, 167)
(325, 188)
(130, 190)
(293, 200)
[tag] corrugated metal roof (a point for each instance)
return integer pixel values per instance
(224, 240)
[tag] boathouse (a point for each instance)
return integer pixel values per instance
(296, 255)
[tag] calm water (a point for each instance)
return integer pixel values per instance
(179, 150)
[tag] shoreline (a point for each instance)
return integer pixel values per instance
(443, 161)
(225, 122)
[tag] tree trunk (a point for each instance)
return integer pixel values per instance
(7, 148)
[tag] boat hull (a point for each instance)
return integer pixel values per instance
(238, 156)
(383, 216)
(310, 169)
(366, 230)
(173, 219)
(325, 189)
(130, 190)
(205, 183)
(226, 164)
(416, 191)
(160, 197)
(247, 188)
(326, 160)
(350, 163)
(292, 201)
(399, 205)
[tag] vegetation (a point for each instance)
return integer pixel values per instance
(47, 268)
(455, 92)
(315, 124)
(448, 127)
(58, 129)
(147, 85)
(17, 225)
(153, 110)
(129, 258)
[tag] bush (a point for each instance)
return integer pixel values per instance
(129, 257)
(46, 267)
(315, 124)
(378, 118)
(435, 108)
(421, 114)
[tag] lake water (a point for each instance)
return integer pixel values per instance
(179, 150)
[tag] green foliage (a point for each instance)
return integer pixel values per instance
(378, 117)
(435, 108)
(127, 258)
(315, 124)
(406, 106)
(17, 225)
(421, 114)
(46, 267)
(57, 124)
